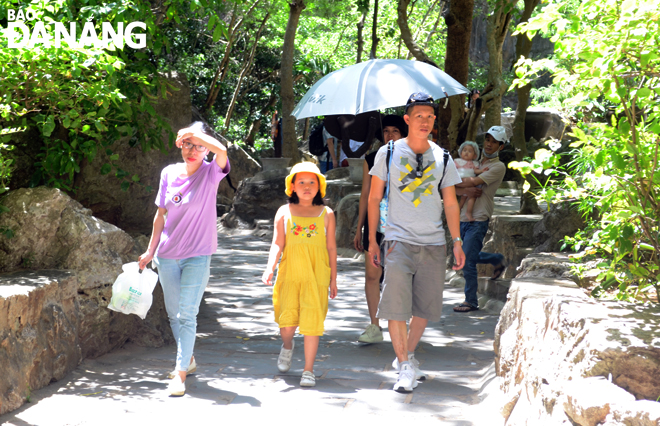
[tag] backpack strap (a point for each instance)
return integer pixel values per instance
(445, 160)
(390, 153)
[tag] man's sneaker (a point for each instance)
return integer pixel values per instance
(419, 374)
(191, 369)
(406, 381)
(308, 379)
(284, 360)
(176, 386)
(372, 334)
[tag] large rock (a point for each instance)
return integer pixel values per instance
(511, 236)
(562, 220)
(52, 231)
(546, 265)
(338, 189)
(133, 210)
(347, 218)
(257, 198)
(551, 336)
(242, 167)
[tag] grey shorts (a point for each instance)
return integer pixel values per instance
(414, 281)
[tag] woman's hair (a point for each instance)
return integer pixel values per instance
(396, 121)
(200, 126)
(317, 201)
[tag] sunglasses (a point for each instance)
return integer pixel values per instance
(419, 172)
(188, 145)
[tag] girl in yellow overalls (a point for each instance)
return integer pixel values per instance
(305, 231)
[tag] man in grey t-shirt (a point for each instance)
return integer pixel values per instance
(414, 244)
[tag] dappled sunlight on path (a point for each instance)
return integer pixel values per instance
(236, 351)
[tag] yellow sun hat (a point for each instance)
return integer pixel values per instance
(305, 166)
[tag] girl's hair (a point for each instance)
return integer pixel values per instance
(317, 201)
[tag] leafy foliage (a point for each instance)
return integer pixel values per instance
(84, 99)
(606, 54)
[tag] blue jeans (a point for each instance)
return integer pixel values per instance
(326, 165)
(183, 282)
(472, 234)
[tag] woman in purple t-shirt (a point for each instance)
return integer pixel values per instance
(185, 236)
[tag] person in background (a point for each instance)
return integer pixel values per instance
(330, 157)
(474, 231)
(276, 135)
(185, 236)
(394, 128)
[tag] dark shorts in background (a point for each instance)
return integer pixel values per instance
(365, 235)
(414, 281)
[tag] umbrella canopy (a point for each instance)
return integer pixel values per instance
(374, 85)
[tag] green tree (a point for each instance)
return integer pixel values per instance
(606, 51)
(82, 100)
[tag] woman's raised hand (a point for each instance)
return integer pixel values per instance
(182, 135)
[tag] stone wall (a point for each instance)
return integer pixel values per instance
(50, 320)
(563, 358)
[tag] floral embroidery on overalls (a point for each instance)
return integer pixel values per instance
(307, 231)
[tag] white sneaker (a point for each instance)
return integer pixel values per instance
(176, 386)
(191, 369)
(308, 379)
(406, 381)
(284, 360)
(373, 334)
(419, 374)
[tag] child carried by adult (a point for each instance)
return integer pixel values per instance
(468, 166)
(304, 234)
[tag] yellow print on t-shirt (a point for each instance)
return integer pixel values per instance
(418, 186)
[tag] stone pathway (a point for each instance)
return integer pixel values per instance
(237, 378)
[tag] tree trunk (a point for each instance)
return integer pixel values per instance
(246, 67)
(435, 27)
(528, 204)
(374, 33)
(256, 124)
(214, 88)
(406, 35)
(523, 48)
(497, 28)
(360, 36)
(306, 130)
(221, 72)
(459, 27)
(289, 140)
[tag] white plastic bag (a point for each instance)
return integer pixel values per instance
(132, 290)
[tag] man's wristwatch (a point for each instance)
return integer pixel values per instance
(458, 240)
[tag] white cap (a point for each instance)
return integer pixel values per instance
(499, 133)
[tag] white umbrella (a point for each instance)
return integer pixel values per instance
(374, 85)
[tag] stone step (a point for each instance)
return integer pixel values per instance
(494, 289)
(264, 224)
(508, 188)
(508, 192)
(510, 184)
